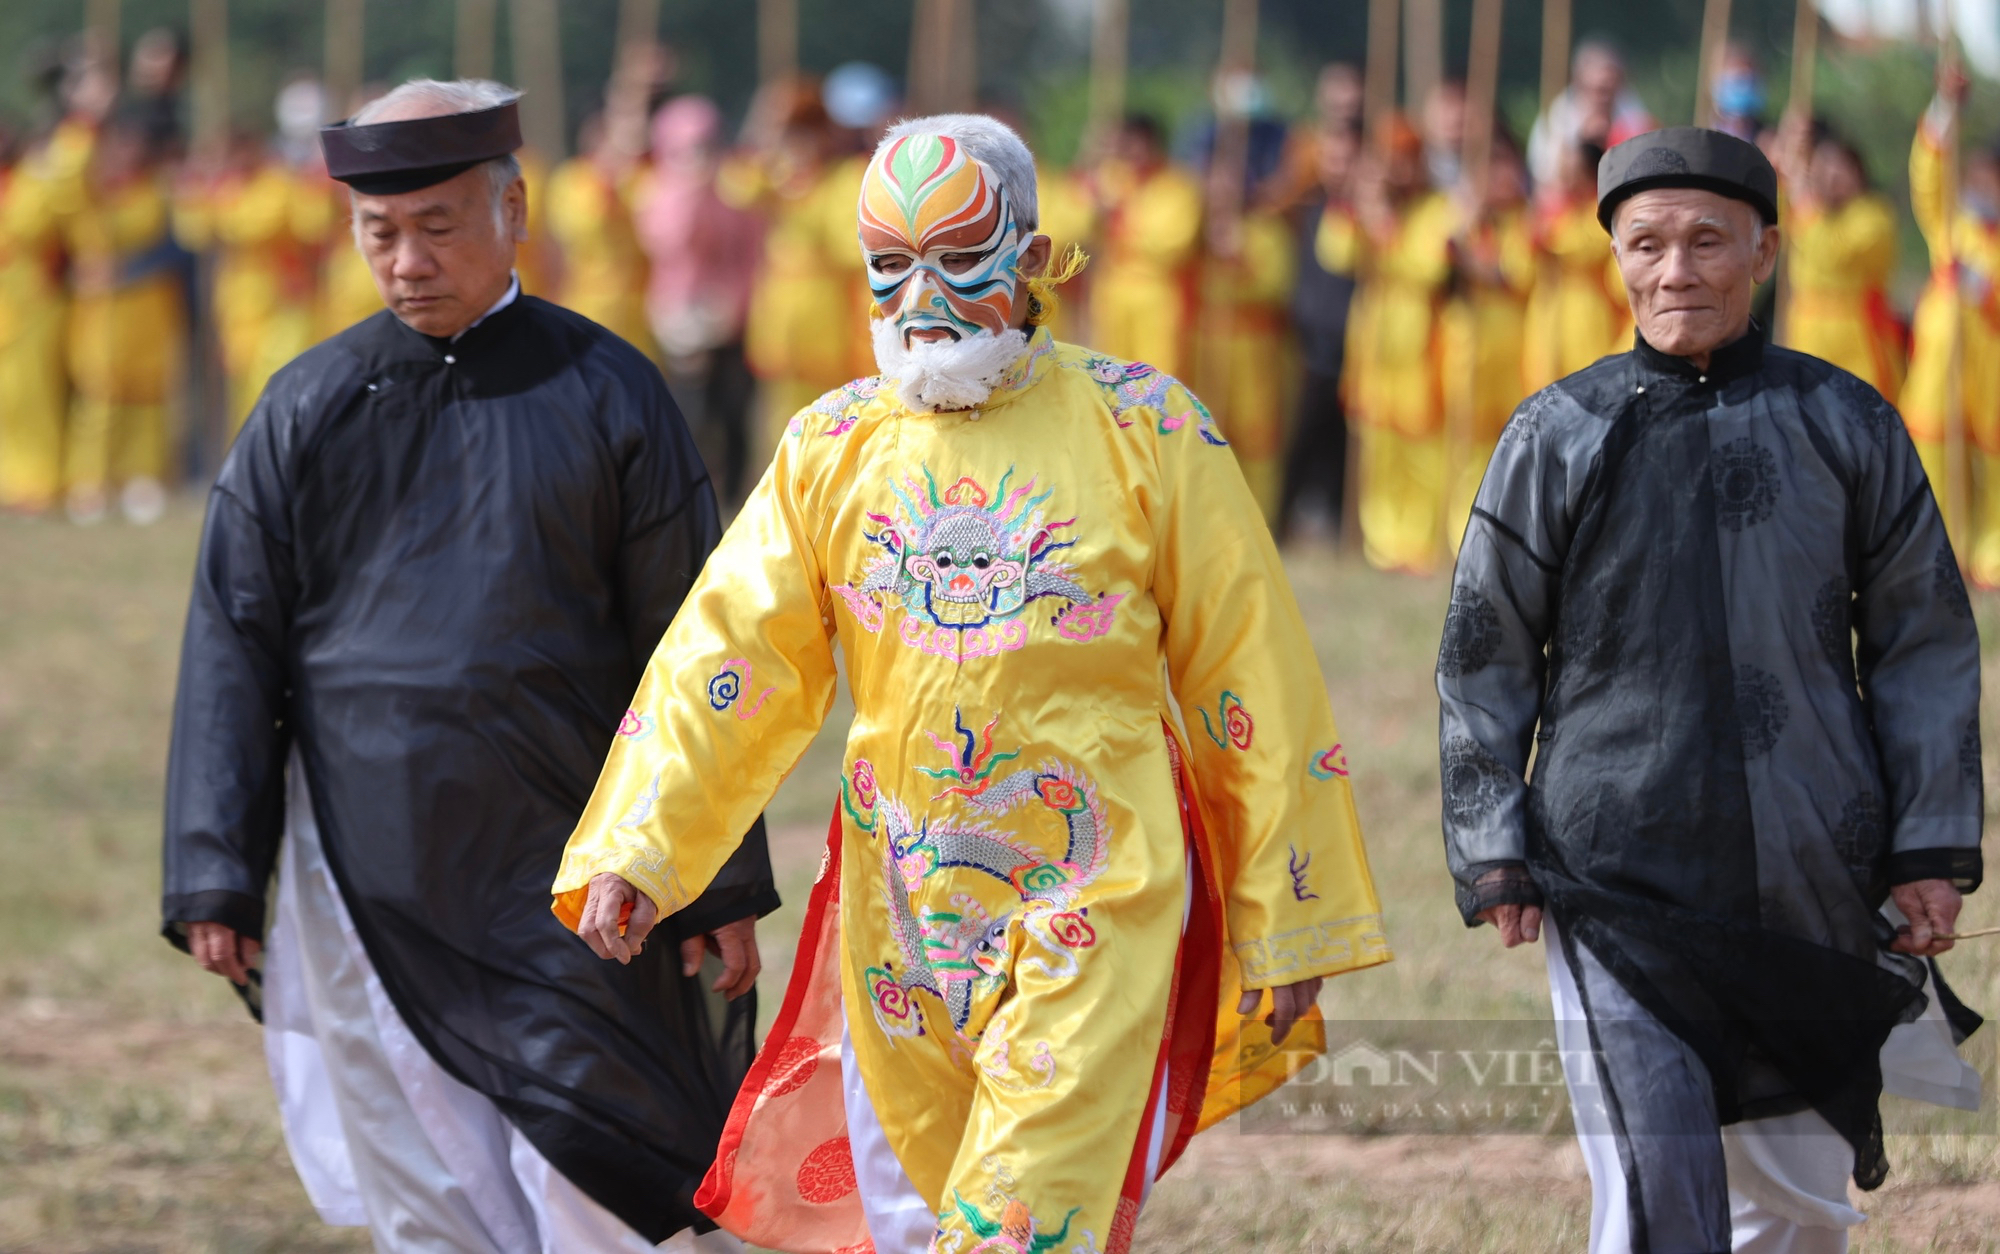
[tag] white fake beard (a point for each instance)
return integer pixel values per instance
(951, 374)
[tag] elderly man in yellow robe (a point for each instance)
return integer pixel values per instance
(1056, 929)
(1957, 331)
(1142, 296)
(1840, 254)
(1395, 385)
(33, 391)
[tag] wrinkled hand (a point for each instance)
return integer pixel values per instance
(616, 918)
(1931, 906)
(734, 943)
(1517, 925)
(1289, 1004)
(219, 948)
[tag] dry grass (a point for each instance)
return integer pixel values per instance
(134, 1113)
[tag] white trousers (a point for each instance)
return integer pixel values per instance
(381, 1136)
(1786, 1176)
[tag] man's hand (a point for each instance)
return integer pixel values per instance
(1516, 924)
(1931, 906)
(616, 918)
(220, 949)
(734, 943)
(1289, 1004)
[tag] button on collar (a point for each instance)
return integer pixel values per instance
(450, 360)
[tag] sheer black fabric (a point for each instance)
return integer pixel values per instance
(441, 568)
(1719, 607)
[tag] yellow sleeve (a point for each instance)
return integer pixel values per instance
(1268, 767)
(1927, 191)
(1168, 225)
(260, 214)
(1421, 253)
(194, 215)
(733, 695)
(1337, 242)
(1270, 265)
(571, 206)
(1517, 255)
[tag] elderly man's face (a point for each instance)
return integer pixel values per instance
(1690, 260)
(442, 255)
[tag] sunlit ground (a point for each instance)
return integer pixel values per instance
(134, 1110)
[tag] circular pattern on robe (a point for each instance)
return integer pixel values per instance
(1593, 626)
(1526, 422)
(827, 1174)
(794, 1064)
(1761, 711)
(1970, 753)
(1471, 635)
(1950, 585)
(1864, 405)
(1475, 783)
(1833, 624)
(1859, 836)
(1746, 484)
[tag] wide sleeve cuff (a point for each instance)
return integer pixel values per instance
(1489, 884)
(239, 912)
(1963, 867)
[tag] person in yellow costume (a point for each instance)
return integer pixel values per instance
(1394, 386)
(1577, 312)
(127, 329)
(590, 219)
(1017, 995)
(1142, 295)
(1484, 328)
(33, 390)
(1960, 305)
(1244, 357)
(1840, 254)
(799, 337)
(1069, 219)
(249, 212)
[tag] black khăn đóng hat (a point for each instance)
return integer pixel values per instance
(389, 158)
(1687, 156)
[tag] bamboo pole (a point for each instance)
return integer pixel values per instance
(1714, 38)
(538, 73)
(208, 30)
(1423, 50)
(1482, 91)
(473, 38)
(777, 40)
(1956, 488)
(1555, 49)
(1805, 56)
(101, 18)
(1110, 35)
(1379, 77)
(1228, 173)
(345, 66)
(634, 64)
(943, 73)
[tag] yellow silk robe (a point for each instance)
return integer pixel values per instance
(1577, 312)
(1016, 590)
(604, 269)
(264, 281)
(1394, 386)
(33, 390)
(1243, 357)
(1838, 264)
(126, 339)
(1481, 344)
(1963, 294)
(1142, 294)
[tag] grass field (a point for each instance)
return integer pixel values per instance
(134, 1111)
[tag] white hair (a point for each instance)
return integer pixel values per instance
(994, 145)
(459, 95)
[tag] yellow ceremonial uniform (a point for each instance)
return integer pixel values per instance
(1481, 341)
(346, 288)
(1244, 353)
(1068, 217)
(1838, 264)
(126, 337)
(1577, 312)
(33, 390)
(264, 285)
(999, 923)
(1142, 296)
(809, 301)
(1964, 290)
(1394, 386)
(604, 269)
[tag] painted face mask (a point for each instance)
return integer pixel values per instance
(939, 234)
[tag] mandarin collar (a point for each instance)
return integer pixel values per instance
(484, 332)
(1740, 358)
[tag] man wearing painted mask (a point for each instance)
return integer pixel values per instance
(1706, 583)
(434, 565)
(1035, 876)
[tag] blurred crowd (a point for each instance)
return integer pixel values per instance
(1361, 318)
